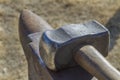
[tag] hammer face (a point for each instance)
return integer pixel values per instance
(57, 46)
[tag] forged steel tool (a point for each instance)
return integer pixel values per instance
(72, 52)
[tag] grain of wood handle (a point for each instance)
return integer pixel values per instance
(91, 60)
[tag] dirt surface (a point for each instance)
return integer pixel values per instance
(13, 65)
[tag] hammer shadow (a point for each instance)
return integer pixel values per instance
(113, 26)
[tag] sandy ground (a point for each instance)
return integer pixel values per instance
(13, 65)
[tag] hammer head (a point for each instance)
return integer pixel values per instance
(57, 47)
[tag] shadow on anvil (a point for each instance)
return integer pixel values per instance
(113, 26)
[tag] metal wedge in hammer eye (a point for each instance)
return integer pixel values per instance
(72, 52)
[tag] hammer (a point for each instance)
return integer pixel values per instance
(65, 48)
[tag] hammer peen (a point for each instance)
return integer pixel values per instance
(66, 47)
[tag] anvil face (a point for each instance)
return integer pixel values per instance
(58, 46)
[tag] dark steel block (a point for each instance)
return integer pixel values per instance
(58, 46)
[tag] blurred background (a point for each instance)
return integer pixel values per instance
(13, 65)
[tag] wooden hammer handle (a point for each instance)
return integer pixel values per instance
(91, 60)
